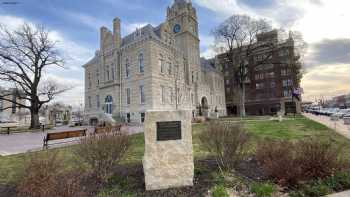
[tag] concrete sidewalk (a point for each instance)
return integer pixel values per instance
(338, 126)
(341, 194)
(17, 143)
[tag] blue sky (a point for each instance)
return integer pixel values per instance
(75, 24)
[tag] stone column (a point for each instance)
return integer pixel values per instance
(168, 163)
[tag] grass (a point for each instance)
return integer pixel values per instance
(290, 129)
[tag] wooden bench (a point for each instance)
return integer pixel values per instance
(8, 129)
(103, 130)
(63, 135)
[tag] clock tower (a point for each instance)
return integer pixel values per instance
(182, 19)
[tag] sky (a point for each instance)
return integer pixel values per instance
(75, 24)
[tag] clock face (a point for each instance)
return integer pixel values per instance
(177, 28)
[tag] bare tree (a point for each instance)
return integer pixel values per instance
(238, 36)
(25, 54)
(179, 86)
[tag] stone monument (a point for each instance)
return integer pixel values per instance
(168, 158)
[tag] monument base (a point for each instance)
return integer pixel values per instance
(168, 163)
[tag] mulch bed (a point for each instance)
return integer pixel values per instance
(130, 179)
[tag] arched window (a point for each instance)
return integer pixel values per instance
(109, 104)
(141, 63)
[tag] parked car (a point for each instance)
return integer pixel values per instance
(76, 122)
(331, 111)
(342, 112)
(346, 119)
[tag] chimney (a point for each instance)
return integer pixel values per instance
(117, 39)
(103, 37)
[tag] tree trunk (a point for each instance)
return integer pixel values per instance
(34, 123)
(242, 102)
(34, 114)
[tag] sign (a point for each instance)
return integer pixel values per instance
(170, 130)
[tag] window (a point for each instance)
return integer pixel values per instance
(113, 73)
(98, 76)
(89, 80)
(261, 75)
(283, 72)
(128, 96)
(142, 95)
(273, 84)
(287, 82)
(270, 75)
(89, 101)
(1, 105)
(128, 118)
(227, 82)
(142, 117)
(161, 64)
(127, 68)
(259, 86)
(287, 93)
(163, 94)
(108, 104)
(169, 68)
(98, 101)
(286, 72)
(141, 63)
(192, 76)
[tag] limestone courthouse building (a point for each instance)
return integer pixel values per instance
(153, 68)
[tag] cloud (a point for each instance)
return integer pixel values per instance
(316, 19)
(336, 51)
(327, 81)
(87, 20)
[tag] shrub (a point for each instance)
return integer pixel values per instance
(226, 141)
(219, 191)
(317, 158)
(263, 189)
(277, 160)
(305, 160)
(44, 175)
(102, 153)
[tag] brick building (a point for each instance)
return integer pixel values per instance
(270, 83)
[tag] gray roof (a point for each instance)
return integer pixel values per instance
(145, 31)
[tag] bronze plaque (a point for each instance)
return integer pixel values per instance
(170, 130)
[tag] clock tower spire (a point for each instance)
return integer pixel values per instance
(182, 18)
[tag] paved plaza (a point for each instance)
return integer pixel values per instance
(17, 143)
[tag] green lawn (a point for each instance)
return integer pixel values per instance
(290, 129)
